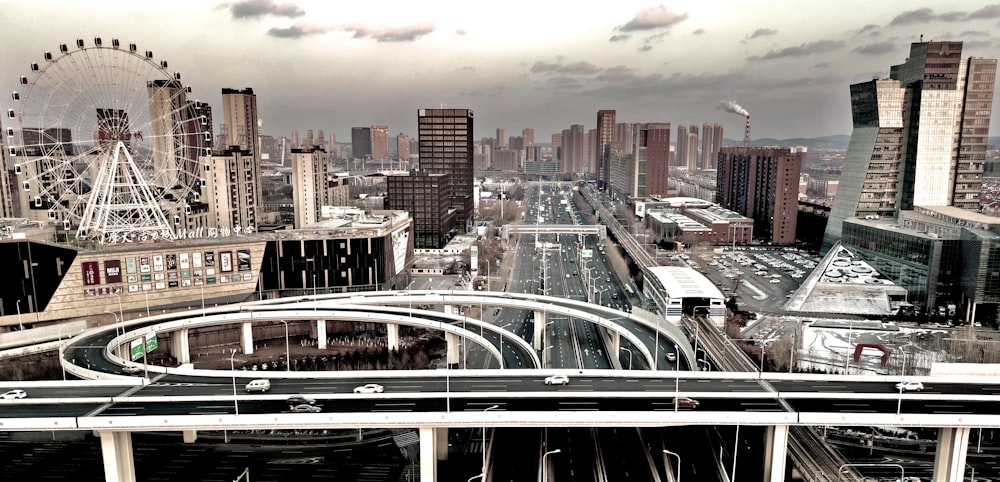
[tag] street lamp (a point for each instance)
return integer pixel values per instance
(545, 475)
(678, 463)
(288, 353)
(232, 368)
(118, 346)
(629, 356)
(487, 409)
(474, 477)
(62, 367)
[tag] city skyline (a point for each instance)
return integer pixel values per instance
(333, 67)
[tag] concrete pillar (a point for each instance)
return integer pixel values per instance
(190, 436)
(949, 461)
(450, 310)
(537, 342)
(454, 348)
(428, 460)
(321, 334)
(441, 441)
(775, 453)
(392, 333)
(180, 348)
(116, 449)
(616, 341)
(247, 338)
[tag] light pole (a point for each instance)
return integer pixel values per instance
(474, 477)
(232, 368)
(899, 402)
(62, 367)
(487, 409)
(665, 451)
(545, 475)
(629, 356)
(145, 296)
(121, 316)
(288, 353)
(118, 345)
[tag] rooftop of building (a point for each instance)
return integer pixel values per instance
(845, 283)
(685, 282)
(680, 220)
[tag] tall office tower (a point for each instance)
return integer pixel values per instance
(403, 147)
(603, 146)
(231, 189)
(623, 137)
(309, 178)
(711, 142)
(651, 150)
(296, 141)
(591, 155)
(574, 149)
(501, 138)
(446, 147)
(919, 137)
(425, 197)
(239, 112)
(528, 139)
(763, 184)
(692, 149)
(173, 121)
(681, 146)
(361, 142)
(557, 150)
(380, 142)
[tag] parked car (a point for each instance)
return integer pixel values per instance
(300, 400)
(910, 386)
(304, 408)
(685, 402)
(369, 388)
(14, 394)
(557, 380)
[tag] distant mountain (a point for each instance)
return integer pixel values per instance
(837, 142)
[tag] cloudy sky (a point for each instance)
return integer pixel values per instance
(330, 65)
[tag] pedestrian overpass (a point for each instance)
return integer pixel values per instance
(510, 229)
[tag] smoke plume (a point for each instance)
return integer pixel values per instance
(733, 107)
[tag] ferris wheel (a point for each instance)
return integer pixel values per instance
(108, 142)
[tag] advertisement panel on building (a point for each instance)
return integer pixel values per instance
(91, 273)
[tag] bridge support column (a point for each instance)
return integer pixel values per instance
(775, 453)
(246, 338)
(392, 333)
(321, 334)
(454, 348)
(190, 436)
(537, 342)
(616, 343)
(450, 310)
(952, 447)
(180, 348)
(431, 440)
(116, 449)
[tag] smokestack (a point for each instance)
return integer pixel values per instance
(746, 133)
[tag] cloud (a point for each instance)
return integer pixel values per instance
(391, 34)
(989, 11)
(808, 48)
(871, 29)
(877, 48)
(576, 68)
(822, 65)
(974, 33)
(619, 37)
(244, 9)
(700, 31)
(925, 15)
(761, 32)
(645, 48)
(298, 30)
(653, 18)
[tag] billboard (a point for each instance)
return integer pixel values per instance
(243, 260)
(91, 273)
(113, 271)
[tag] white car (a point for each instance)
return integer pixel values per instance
(14, 394)
(910, 386)
(131, 369)
(369, 388)
(557, 380)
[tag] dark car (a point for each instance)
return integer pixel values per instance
(300, 400)
(305, 409)
(685, 402)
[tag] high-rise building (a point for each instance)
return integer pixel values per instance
(501, 138)
(446, 147)
(242, 158)
(309, 177)
(763, 184)
(403, 147)
(605, 138)
(361, 142)
(919, 137)
(557, 150)
(231, 189)
(380, 142)
(623, 137)
(711, 143)
(651, 150)
(426, 197)
(6, 195)
(239, 113)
